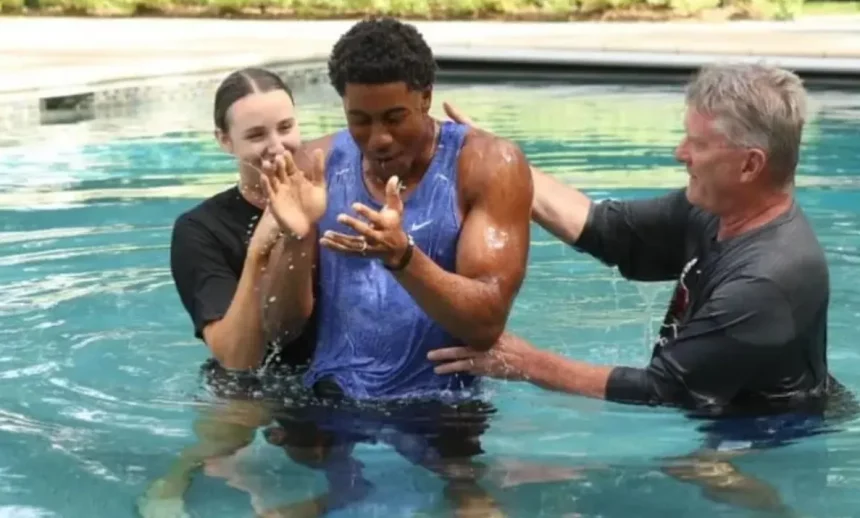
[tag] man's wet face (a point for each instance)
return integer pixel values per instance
(388, 123)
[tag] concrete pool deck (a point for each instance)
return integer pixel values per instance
(50, 57)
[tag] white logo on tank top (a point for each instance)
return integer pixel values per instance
(418, 226)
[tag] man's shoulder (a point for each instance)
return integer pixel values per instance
(304, 155)
(788, 258)
(324, 142)
(790, 251)
(490, 160)
(488, 145)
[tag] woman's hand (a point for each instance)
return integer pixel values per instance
(297, 200)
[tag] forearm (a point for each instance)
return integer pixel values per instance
(287, 287)
(553, 372)
(473, 311)
(560, 209)
(237, 340)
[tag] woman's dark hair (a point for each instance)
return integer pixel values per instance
(241, 83)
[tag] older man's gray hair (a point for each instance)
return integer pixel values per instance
(755, 105)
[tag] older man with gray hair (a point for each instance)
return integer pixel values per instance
(745, 333)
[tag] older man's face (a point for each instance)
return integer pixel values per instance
(719, 171)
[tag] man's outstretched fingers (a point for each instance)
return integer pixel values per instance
(450, 354)
(455, 366)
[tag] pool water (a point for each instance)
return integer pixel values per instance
(98, 365)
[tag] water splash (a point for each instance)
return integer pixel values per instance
(125, 335)
(495, 239)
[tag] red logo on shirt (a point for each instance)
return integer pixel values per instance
(677, 306)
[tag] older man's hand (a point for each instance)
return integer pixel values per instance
(456, 115)
(507, 359)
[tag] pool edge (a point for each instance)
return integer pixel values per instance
(125, 87)
(514, 62)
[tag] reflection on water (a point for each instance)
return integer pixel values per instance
(98, 365)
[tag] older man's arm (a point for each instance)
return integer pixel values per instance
(726, 343)
(742, 328)
(643, 238)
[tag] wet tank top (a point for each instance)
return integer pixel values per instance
(373, 338)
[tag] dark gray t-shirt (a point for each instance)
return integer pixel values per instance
(746, 329)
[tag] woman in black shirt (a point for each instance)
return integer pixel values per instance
(218, 256)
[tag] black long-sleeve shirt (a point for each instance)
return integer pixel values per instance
(746, 329)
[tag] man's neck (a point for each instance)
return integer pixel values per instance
(753, 215)
(422, 163)
(432, 142)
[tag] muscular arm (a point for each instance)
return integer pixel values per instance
(225, 310)
(473, 304)
(287, 286)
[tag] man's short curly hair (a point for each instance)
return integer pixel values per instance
(381, 50)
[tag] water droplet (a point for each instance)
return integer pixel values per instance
(272, 299)
(291, 267)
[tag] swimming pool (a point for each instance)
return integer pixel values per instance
(98, 366)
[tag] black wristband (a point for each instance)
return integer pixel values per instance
(407, 256)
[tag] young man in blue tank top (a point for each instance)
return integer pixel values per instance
(424, 243)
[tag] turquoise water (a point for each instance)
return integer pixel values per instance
(98, 366)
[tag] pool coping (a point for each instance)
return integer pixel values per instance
(645, 60)
(112, 86)
(109, 87)
(99, 79)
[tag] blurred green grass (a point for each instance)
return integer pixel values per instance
(543, 10)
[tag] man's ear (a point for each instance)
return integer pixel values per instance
(754, 166)
(426, 100)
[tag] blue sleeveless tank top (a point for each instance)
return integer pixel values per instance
(373, 338)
